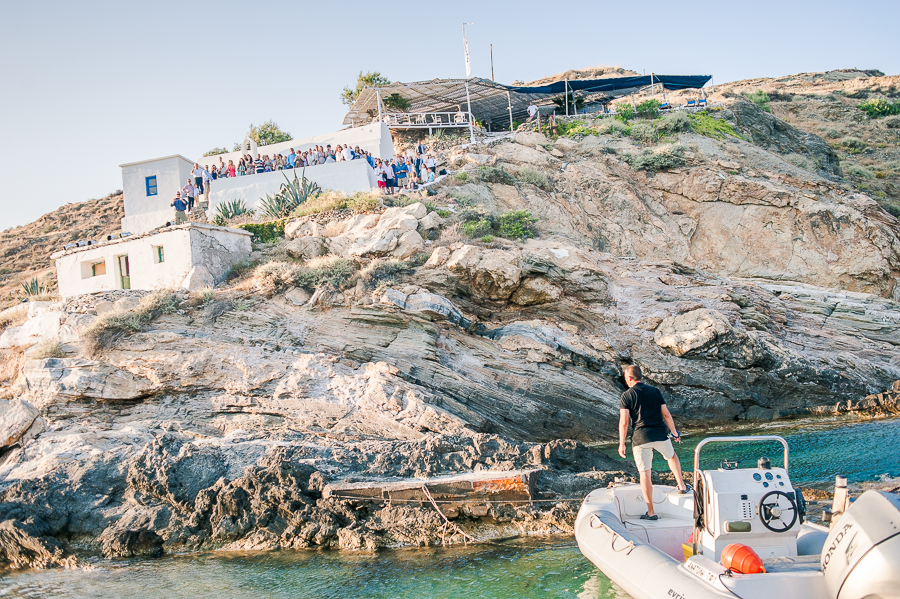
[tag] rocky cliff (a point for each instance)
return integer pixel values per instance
(415, 341)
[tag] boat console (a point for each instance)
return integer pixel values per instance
(757, 507)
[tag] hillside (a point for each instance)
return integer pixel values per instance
(479, 325)
(26, 250)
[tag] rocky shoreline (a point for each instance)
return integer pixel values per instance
(393, 345)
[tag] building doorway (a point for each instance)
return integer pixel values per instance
(124, 272)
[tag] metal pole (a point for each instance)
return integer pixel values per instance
(468, 97)
(712, 88)
(509, 105)
(567, 97)
(378, 97)
(492, 63)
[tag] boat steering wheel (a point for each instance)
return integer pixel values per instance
(772, 512)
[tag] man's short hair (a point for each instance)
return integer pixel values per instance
(634, 371)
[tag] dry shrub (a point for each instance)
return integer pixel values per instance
(275, 276)
(361, 202)
(333, 228)
(48, 349)
(110, 328)
(13, 317)
(450, 235)
(272, 276)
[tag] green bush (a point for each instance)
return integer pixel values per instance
(853, 145)
(644, 133)
(461, 176)
(534, 177)
(487, 239)
(665, 157)
(477, 228)
(648, 109)
(624, 112)
(215, 151)
(879, 107)
(291, 195)
(709, 126)
(518, 224)
(614, 128)
(228, 210)
(33, 288)
(265, 232)
(832, 134)
(490, 174)
(673, 123)
(573, 128)
(760, 98)
(858, 172)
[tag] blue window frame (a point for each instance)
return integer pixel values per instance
(151, 185)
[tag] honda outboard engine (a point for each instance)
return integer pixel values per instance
(861, 558)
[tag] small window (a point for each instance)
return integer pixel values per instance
(151, 185)
(98, 268)
(159, 256)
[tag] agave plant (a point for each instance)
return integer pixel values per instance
(228, 210)
(33, 288)
(292, 194)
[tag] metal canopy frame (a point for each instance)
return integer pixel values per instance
(492, 101)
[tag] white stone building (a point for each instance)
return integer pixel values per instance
(190, 256)
(150, 185)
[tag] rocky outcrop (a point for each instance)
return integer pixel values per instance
(73, 378)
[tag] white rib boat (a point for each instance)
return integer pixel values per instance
(680, 555)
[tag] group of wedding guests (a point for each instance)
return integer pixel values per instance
(401, 172)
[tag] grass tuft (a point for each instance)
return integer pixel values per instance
(110, 328)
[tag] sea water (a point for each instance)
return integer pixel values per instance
(523, 568)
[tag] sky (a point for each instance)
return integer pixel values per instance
(86, 86)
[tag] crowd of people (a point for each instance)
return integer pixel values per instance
(401, 172)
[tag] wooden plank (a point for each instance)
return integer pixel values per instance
(513, 485)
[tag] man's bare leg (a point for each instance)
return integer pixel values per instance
(647, 489)
(675, 467)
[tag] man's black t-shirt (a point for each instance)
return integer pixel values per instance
(644, 403)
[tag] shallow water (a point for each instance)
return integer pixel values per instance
(522, 568)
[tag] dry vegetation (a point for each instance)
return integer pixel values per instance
(25, 251)
(110, 328)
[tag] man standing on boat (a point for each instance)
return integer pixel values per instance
(644, 406)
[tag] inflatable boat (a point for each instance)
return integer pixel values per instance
(742, 533)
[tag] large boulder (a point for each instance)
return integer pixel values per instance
(305, 248)
(76, 378)
(16, 417)
(706, 333)
(531, 139)
(43, 323)
(519, 153)
(492, 273)
(536, 290)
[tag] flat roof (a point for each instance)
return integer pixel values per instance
(157, 231)
(494, 101)
(156, 160)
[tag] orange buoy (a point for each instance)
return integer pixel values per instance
(742, 559)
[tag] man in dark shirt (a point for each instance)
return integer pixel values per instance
(180, 206)
(645, 407)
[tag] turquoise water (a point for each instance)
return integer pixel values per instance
(522, 568)
(863, 451)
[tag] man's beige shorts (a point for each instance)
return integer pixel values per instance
(643, 454)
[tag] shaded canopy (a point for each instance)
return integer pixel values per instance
(490, 101)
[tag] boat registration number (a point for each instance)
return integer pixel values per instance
(701, 571)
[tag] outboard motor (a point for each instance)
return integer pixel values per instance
(861, 558)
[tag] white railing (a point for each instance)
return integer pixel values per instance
(426, 120)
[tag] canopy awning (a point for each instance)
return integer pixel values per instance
(491, 101)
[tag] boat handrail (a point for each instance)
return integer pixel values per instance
(741, 438)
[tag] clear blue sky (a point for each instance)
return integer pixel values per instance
(89, 85)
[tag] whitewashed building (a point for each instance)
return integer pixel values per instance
(190, 256)
(150, 185)
(153, 253)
